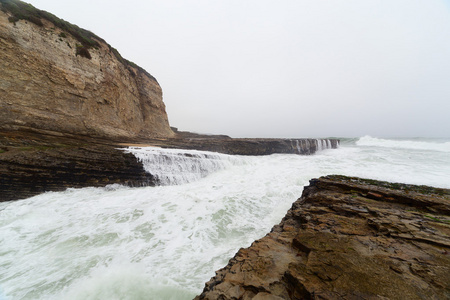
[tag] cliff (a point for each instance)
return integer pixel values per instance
(68, 100)
(59, 79)
(348, 238)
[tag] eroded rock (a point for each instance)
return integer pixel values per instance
(33, 164)
(248, 146)
(348, 238)
(46, 86)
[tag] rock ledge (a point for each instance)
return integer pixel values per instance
(348, 238)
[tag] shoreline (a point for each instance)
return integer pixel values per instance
(347, 237)
(36, 162)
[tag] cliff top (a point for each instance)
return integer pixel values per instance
(19, 10)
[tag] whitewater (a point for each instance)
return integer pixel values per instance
(165, 242)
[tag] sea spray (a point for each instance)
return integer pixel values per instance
(165, 242)
(319, 145)
(176, 166)
(442, 145)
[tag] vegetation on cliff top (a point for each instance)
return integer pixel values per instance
(24, 11)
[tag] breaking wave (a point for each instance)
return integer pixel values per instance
(415, 144)
(177, 166)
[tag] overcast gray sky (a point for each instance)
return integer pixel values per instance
(288, 68)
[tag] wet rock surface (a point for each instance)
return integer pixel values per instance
(63, 114)
(348, 238)
(249, 146)
(33, 164)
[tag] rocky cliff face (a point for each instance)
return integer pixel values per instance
(348, 238)
(68, 100)
(46, 87)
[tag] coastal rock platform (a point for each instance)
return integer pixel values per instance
(348, 238)
(69, 100)
(33, 162)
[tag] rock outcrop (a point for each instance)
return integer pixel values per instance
(51, 81)
(249, 146)
(348, 238)
(68, 100)
(31, 165)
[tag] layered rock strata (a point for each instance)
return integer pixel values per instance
(47, 85)
(30, 166)
(250, 146)
(32, 163)
(68, 100)
(66, 97)
(348, 238)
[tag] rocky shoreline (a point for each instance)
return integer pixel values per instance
(68, 100)
(249, 146)
(348, 238)
(33, 162)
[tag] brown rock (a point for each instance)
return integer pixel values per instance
(245, 146)
(64, 100)
(33, 164)
(59, 91)
(46, 87)
(348, 238)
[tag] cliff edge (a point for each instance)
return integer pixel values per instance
(348, 238)
(57, 78)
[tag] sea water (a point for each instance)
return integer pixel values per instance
(165, 242)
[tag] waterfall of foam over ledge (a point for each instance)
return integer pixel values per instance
(310, 146)
(322, 144)
(177, 166)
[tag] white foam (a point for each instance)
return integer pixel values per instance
(322, 144)
(319, 145)
(174, 166)
(443, 146)
(165, 242)
(298, 146)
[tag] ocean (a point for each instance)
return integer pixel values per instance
(165, 242)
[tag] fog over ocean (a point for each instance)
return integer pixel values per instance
(292, 68)
(165, 242)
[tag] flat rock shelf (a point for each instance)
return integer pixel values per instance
(348, 238)
(31, 165)
(34, 162)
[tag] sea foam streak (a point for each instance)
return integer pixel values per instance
(405, 144)
(165, 242)
(176, 166)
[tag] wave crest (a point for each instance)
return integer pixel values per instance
(404, 144)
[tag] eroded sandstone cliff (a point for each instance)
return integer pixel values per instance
(48, 86)
(348, 238)
(68, 100)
